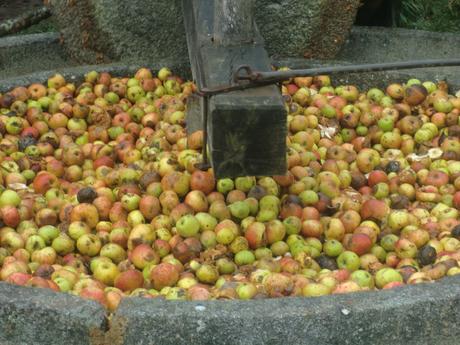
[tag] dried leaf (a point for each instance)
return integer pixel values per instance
(327, 132)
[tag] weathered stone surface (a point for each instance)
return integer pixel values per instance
(97, 31)
(310, 28)
(415, 315)
(23, 16)
(26, 59)
(30, 53)
(41, 317)
(373, 45)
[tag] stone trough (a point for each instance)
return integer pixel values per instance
(423, 314)
(419, 314)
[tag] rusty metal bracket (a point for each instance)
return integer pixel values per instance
(245, 78)
(252, 79)
(204, 165)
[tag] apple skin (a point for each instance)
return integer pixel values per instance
(363, 278)
(10, 216)
(374, 209)
(456, 200)
(202, 181)
(275, 231)
(405, 248)
(197, 200)
(113, 298)
(348, 260)
(350, 220)
(143, 255)
(207, 274)
(188, 226)
(89, 244)
(333, 248)
(187, 250)
(359, 244)
(256, 235)
(198, 293)
(86, 213)
(95, 294)
(346, 287)
(224, 235)
(78, 229)
(38, 282)
(239, 209)
(398, 219)
(163, 275)
(130, 201)
(19, 278)
(246, 291)
(312, 228)
(367, 160)
(436, 178)
(278, 285)
(149, 206)
(385, 276)
(376, 177)
(315, 290)
(335, 230)
(129, 280)
(106, 273)
(9, 198)
(392, 285)
(13, 267)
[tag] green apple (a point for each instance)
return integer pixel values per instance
(9, 198)
(348, 260)
(207, 222)
(387, 275)
(443, 105)
(130, 201)
(315, 290)
(244, 257)
(225, 185)
(375, 95)
(386, 124)
(246, 291)
(188, 226)
(308, 197)
(293, 225)
(239, 209)
(244, 184)
(388, 242)
(363, 278)
(48, 233)
(333, 248)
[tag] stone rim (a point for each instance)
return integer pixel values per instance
(322, 320)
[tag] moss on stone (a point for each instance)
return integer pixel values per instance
(431, 15)
(46, 25)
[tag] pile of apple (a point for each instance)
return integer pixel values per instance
(101, 198)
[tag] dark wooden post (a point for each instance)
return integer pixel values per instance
(233, 22)
(246, 129)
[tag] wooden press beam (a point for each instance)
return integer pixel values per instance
(246, 129)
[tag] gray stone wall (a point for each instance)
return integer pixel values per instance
(96, 31)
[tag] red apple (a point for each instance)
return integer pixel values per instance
(129, 280)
